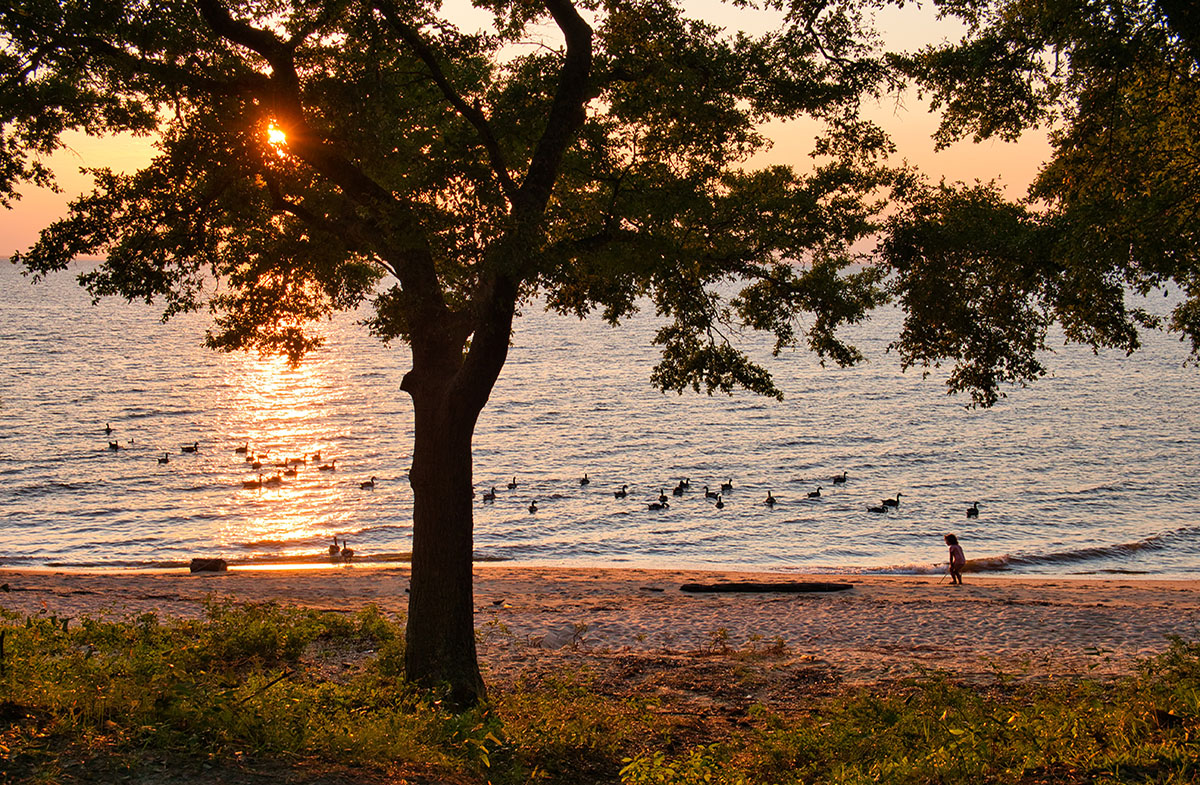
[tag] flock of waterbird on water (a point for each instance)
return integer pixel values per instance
(717, 497)
(290, 467)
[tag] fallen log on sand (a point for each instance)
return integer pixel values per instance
(746, 587)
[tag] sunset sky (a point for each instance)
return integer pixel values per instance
(908, 121)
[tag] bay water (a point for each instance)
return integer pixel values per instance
(1094, 470)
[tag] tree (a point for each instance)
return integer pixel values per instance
(311, 152)
(1115, 209)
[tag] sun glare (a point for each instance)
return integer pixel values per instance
(275, 136)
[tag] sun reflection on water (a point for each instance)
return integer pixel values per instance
(277, 419)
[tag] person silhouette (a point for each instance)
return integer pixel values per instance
(957, 560)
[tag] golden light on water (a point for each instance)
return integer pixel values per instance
(280, 413)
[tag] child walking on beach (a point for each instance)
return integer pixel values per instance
(957, 560)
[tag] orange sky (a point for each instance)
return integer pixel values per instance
(1013, 164)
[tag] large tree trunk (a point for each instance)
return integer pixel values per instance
(440, 637)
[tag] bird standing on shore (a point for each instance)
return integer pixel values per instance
(335, 550)
(347, 553)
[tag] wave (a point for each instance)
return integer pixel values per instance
(1008, 562)
(250, 562)
(50, 487)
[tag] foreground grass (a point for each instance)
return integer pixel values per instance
(265, 694)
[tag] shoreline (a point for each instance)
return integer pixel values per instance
(530, 617)
(319, 564)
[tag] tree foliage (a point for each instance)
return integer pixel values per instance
(1115, 209)
(403, 130)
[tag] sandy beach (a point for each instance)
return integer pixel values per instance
(532, 617)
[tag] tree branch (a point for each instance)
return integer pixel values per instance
(566, 115)
(470, 112)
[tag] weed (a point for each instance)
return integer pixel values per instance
(237, 684)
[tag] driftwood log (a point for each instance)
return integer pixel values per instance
(208, 565)
(793, 587)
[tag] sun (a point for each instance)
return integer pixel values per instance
(275, 136)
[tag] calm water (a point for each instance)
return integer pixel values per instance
(1095, 470)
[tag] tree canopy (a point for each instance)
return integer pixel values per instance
(1115, 209)
(411, 150)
